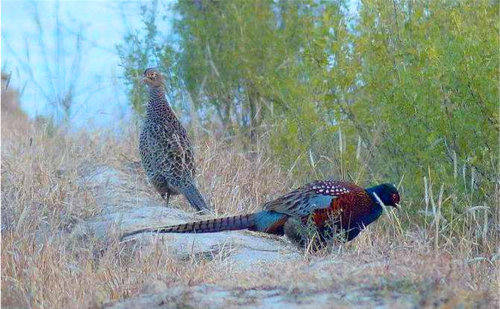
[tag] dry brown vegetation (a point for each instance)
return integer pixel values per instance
(395, 263)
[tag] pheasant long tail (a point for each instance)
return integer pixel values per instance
(264, 221)
(213, 225)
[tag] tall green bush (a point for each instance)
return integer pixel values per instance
(400, 91)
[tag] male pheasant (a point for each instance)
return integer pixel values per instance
(332, 207)
(165, 149)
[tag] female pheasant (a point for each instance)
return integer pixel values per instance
(332, 207)
(165, 148)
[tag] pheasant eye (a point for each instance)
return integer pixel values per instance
(395, 197)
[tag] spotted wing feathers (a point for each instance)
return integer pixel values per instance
(305, 200)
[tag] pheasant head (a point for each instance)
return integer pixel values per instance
(385, 193)
(153, 78)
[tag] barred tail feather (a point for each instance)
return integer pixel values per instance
(212, 226)
(194, 198)
(206, 226)
(264, 221)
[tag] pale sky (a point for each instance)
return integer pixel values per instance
(100, 93)
(100, 97)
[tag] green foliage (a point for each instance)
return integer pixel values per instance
(404, 90)
(243, 59)
(143, 49)
(430, 86)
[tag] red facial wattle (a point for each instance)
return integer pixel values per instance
(395, 198)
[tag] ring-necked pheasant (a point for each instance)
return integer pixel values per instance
(330, 206)
(165, 149)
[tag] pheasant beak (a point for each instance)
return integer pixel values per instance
(398, 206)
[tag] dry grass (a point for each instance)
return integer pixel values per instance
(41, 202)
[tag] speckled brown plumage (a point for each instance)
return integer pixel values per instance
(165, 149)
